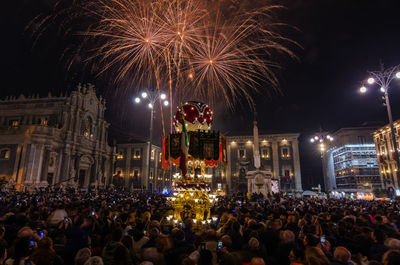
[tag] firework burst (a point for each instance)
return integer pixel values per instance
(218, 53)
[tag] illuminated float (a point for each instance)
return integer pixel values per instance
(193, 147)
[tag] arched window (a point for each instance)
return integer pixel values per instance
(86, 128)
(5, 154)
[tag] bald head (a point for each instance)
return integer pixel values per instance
(257, 261)
(341, 254)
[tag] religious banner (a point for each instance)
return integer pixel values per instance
(165, 153)
(222, 151)
(194, 144)
(175, 145)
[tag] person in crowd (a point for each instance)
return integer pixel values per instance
(391, 257)
(82, 256)
(3, 252)
(131, 228)
(296, 256)
(22, 249)
(341, 256)
(96, 260)
(44, 254)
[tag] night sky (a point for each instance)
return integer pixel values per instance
(340, 41)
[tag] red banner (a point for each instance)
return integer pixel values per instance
(164, 161)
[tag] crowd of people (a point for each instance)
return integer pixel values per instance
(112, 227)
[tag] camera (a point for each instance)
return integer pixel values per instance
(203, 246)
(219, 245)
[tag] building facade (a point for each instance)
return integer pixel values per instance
(131, 167)
(350, 164)
(279, 155)
(388, 169)
(56, 140)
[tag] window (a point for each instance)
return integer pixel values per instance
(43, 121)
(242, 153)
(265, 153)
(135, 173)
(152, 154)
(13, 123)
(136, 154)
(5, 154)
(120, 155)
(285, 152)
(86, 127)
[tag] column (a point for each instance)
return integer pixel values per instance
(57, 177)
(21, 173)
(40, 164)
(296, 162)
(275, 159)
(16, 163)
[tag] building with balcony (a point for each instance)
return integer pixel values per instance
(131, 166)
(279, 155)
(350, 163)
(55, 140)
(386, 156)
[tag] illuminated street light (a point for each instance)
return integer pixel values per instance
(322, 140)
(371, 80)
(363, 89)
(151, 97)
(383, 78)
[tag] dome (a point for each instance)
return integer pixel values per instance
(197, 116)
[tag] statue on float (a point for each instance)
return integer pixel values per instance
(193, 147)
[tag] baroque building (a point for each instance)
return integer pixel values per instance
(55, 140)
(131, 167)
(389, 173)
(279, 156)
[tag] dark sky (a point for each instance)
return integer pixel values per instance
(341, 40)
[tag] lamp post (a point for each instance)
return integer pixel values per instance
(151, 97)
(321, 140)
(383, 78)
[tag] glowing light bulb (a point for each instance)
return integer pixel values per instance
(371, 80)
(363, 89)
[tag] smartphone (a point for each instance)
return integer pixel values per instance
(92, 213)
(41, 234)
(66, 219)
(115, 217)
(322, 240)
(203, 246)
(219, 244)
(234, 211)
(31, 243)
(127, 233)
(180, 224)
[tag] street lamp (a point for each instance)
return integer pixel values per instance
(322, 140)
(151, 97)
(383, 78)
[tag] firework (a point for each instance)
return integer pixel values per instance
(223, 52)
